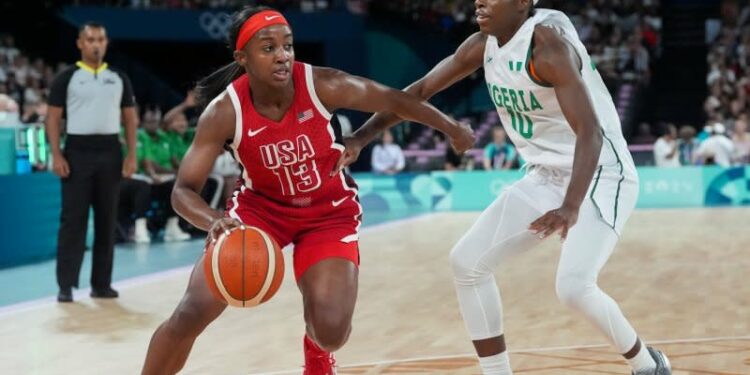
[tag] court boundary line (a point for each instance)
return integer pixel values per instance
(80, 295)
(83, 294)
(521, 351)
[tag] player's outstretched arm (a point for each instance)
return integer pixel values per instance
(557, 63)
(215, 127)
(466, 60)
(337, 89)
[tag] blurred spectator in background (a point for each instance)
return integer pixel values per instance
(156, 160)
(27, 84)
(157, 164)
(717, 149)
(687, 145)
(33, 93)
(21, 69)
(135, 201)
(8, 111)
(728, 79)
(387, 157)
(14, 89)
(634, 61)
(713, 102)
(704, 133)
(665, 149)
(499, 154)
(227, 169)
(741, 140)
(8, 48)
(644, 136)
(179, 135)
(35, 113)
(175, 126)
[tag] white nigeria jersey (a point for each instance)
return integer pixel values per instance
(530, 111)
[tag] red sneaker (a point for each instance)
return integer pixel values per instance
(318, 361)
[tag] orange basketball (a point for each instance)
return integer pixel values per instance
(244, 268)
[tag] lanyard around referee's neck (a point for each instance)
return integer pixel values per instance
(91, 70)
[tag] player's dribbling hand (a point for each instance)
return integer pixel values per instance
(222, 226)
(464, 140)
(560, 219)
(60, 166)
(351, 153)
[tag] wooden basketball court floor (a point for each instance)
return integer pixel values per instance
(681, 276)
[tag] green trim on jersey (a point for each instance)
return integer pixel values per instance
(528, 67)
(619, 184)
(593, 190)
(622, 176)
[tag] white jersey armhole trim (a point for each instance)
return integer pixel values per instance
(354, 236)
(237, 117)
(248, 183)
(567, 32)
(313, 95)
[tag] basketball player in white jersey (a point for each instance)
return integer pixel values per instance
(580, 180)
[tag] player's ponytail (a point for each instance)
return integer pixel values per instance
(211, 86)
(215, 83)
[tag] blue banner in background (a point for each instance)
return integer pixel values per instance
(32, 201)
(469, 191)
(474, 191)
(727, 187)
(403, 192)
(671, 187)
(31, 217)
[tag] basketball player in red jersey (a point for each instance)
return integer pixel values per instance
(275, 116)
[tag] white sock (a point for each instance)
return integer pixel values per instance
(642, 360)
(498, 364)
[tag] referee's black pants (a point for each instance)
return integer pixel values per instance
(95, 170)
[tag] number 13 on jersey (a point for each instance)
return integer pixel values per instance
(292, 162)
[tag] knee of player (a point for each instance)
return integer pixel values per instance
(460, 260)
(573, 289)
(331, 334)
(333, 341)
(467, 269)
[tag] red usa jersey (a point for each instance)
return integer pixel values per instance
(286, 165)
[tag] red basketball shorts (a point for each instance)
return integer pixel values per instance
(315, 239)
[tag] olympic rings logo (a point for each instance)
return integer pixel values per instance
(216, 25)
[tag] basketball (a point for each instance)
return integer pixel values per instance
(244, 268)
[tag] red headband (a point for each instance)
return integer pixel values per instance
(256, 23)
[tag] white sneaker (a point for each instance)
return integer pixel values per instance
(173, 232)
(663, 367)
(141, 234)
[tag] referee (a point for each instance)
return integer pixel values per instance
(94, 99)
